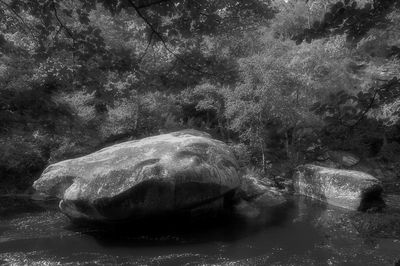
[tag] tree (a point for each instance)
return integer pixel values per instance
(210, 99)
(268, 98)
(351, 18)
(350, 120)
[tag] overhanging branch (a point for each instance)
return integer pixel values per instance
(147, 47)
(60, 22)
(159, 35)
(153, 3)
(27, 28)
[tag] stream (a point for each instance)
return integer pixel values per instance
(304, 232)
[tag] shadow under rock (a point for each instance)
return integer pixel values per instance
(180, 229)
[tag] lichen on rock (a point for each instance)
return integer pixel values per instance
(171, 172)
(348, 189)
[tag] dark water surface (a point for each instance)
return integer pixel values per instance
(304, 233)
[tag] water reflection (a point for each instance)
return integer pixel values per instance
(303, 233)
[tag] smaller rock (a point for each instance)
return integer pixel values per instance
(260, 190)
(352, 190)
(327, 163)
(344, 158)
(284, 184)
(251, 187)
(255, 196)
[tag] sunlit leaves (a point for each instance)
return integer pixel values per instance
(351, 18)
(347, 111)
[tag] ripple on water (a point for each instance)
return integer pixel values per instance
(87, 258)
(308, 234)
(34, 226)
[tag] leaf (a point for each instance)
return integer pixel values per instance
(331, 120)
(97, 32)
(350, 109)
(84, 19)
(315, 106)
(67, 12)
(343, 98)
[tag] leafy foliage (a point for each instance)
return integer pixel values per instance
(77, 75)
(350, 18)
(349, 121)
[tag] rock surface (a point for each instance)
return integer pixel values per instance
(180, 171)
(256, 190)
(344, 158)
(348, 189)
(255, 196)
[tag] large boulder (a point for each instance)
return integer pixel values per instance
(352, 190)
(178, 172)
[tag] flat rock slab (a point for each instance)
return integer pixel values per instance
(180, 171)
(343, 158)
(352, 190)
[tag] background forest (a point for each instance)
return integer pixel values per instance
(281, 81)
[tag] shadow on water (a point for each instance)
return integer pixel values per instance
(304, 232)
(11, 205)
(164, 230)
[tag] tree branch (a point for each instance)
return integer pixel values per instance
(147, 47)
(60, 22)
(159, 35)
(30, 29)
(153, 3)
(366, 110)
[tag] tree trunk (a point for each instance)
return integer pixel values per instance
(136, 122)
(263, 155)
(208, 120)
(287, 145)
(221, 129)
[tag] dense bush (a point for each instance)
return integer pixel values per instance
(97, 74)
(20, 163)
(350, 122)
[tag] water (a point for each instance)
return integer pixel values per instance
(303, 233)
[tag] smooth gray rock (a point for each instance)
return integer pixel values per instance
(352, 190)
(343, 158)
(259, 191)
(254, 197)
(180, 171)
